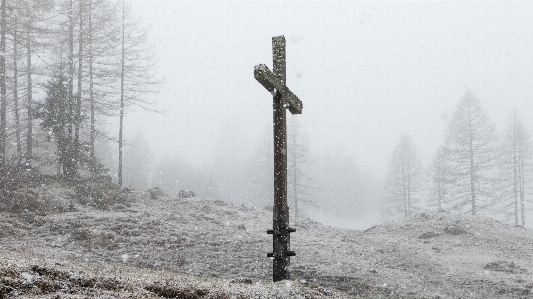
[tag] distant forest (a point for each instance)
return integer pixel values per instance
(474, 171)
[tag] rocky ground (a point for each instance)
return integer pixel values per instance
(181, 245)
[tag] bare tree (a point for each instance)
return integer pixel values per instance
(102, 34)
(88, 31)
(15, 36)
(471, 151)
(403, 184)
(26, 24)
(29, 83)
(31, 13)
(136, 75)
(515, 169)
(3, 96)
(78, 116)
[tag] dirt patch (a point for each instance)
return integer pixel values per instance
(454, 231)
(428, 235)
(503, 266)
(169, 291)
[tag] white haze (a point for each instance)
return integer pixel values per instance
(366, 73)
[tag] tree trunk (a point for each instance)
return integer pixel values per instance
(15, 91)
(440, 194)
(294, 172)
(80, 78)
(515, 175)
(121, 125)
(471, 149)
(408, 189)
(91, 94)
(71, 66)
(522, 187)
(404, 189)
(3, 99)
(71, 162)
(29, 136)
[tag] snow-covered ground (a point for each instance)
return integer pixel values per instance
(437, 255)
(360, 222)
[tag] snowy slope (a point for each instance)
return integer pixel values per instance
(440, 254)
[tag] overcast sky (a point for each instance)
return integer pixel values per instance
(366, 72)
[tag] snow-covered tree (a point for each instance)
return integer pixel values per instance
(3, 96)
(470, 144)
(515, 169)
(403, 186)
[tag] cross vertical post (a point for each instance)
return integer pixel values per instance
(275, 82)
(281, 237)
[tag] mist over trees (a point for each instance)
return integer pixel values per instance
(259, 171)
(474, 171)
(301, 188)
(72, 69)
(332, 182)
(439, 179)
(515, 170)
(138, 162)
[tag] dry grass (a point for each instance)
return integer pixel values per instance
(100, 195)
(21, 277)
(21, 192)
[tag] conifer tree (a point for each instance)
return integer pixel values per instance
(470, 145)
(515, 169)
(439, 180)
(404, 180)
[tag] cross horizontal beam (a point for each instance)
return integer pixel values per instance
(271, 82)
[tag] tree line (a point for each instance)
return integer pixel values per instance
(68, 69)
(230, 177)
(474, 170)
(331, 182)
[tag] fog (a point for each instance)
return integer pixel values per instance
(366, 72)
(137, 149)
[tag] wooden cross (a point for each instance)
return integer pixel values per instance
(275, 83)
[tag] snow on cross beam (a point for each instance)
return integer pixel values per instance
(271, 82)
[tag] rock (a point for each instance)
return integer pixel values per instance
(186, 194)
(428, 235)
(156, 192)
(454, 231)
(244, 280)
(503, 266)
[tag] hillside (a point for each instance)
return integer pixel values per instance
(208, 245)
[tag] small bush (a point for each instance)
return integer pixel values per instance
(155, 193)
(100, 195)
(169, 291)
(13, 198)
